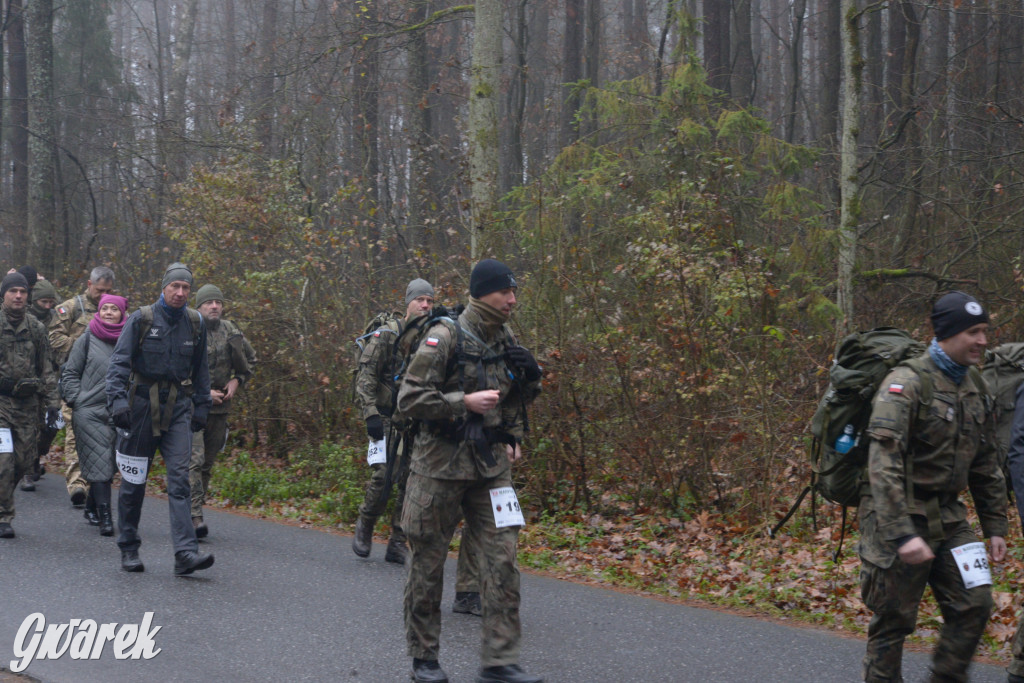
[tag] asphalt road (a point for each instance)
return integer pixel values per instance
(289, 604)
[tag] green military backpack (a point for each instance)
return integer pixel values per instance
(1003, 372)
(862, 360)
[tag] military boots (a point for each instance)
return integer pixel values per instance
(362, 541)
(396, 551)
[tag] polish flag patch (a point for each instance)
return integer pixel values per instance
(61, 310)
(431, 341)
(377, 333)
(895, 388)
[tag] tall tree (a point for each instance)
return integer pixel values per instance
(743, 71)
(849, 180)
(484, 88)
(572, 71)
(44, 235)
(717, 51)
(18, 70)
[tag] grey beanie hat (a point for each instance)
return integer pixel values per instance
(418, 287)
(176, 272)
(208, 292)
(44, 290)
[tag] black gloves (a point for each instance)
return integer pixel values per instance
(198, 423)
(522, 360)
(375, 427)
(122, 419)
(52, 418)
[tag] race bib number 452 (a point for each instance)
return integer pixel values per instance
(972, 561)
(377, 453)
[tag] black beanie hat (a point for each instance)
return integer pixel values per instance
(14, 279)
(489, 276)
(31, 276)
(955, 312)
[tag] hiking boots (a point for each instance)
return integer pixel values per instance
(202, 531)
(91, 517)
(188, 561)
(468, 603)
(28, 483)
(362, 540)
(6, 530)
(510, 673)
(130, 561)
(396, 551)
(105, 520)
(427, 671)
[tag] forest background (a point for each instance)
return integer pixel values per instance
(698, 198)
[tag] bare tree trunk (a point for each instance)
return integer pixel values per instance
(511, 171)
(172, 128)
(484, 87)
(366, 114)
(19, 130)
(716, 44)
(265, 81)
(743, 72)
(572, 70)
(592, 60)
(538, 140)
(795, 62)
(44, 236)
(849, 182)
(420, 129)
(832, 74)
(230, 61)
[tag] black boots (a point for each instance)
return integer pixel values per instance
(188, 561)
(510, 673)
(90, 509)
(428, 671)
(396, 551)
(468, 603)
(362, 541)
(130, 561)
(99, 498)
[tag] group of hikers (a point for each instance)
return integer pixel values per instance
(444, 394)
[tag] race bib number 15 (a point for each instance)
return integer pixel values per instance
(506, 508)
(972, 561)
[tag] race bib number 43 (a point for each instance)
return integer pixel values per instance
(506, 508)
(134, 468)
(972, 561)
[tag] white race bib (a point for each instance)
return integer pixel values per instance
(134, 468)
(60, 421)
(972, 561)
(377, 453)
(506, 508)
(6, 440)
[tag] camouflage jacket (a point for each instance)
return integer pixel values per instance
(375, 378)
(432, 393)
(25, 355)
(951, 449)
(68, 323)
(230, 356)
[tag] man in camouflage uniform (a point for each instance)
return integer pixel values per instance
(468, 385)
(232, 360)
(44, 299)
(27, 380)
(921, 457)
(375, 393)
(71, 320)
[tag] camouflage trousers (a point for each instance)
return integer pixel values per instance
(1016, 667)
(72, 473)
(431, 513)
(13, 466)
(378, 490)
(894, 593)
(206, 444)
